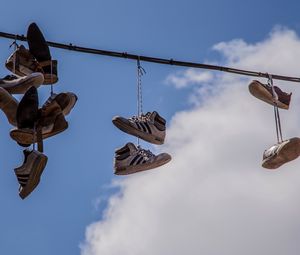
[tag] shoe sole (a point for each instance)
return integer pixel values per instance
(25, 135)
(34, 79)
(34, 178)
(286, 153)
(135, 132)
(263, 94)
(140, 168)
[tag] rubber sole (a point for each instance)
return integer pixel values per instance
(135, 132)
(260, 92)
(34, 177)
(26, 136)
(288, 152)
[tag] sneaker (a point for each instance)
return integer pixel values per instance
(19, 85)
(22, 63)
(150, 127)
(51, 122)
(281, 153)
(131, 159)
(264, 93)
(40, 50)
(27, 111)
(29, 173)
(9, 106)
(66, 101)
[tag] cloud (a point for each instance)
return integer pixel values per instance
(183, 79)
(214, 198)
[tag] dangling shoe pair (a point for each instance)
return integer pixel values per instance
(150, 127)
(284, 151)
(24, 62)
(50, 119)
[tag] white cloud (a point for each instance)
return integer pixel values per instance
(213, 198)
(183, 79)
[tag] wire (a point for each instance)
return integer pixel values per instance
(153, 59)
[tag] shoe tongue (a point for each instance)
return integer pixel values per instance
(131, 147)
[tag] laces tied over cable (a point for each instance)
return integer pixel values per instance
(15, 45)
(276, 110)
(140, 72)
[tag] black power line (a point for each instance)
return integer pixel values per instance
(73, 47)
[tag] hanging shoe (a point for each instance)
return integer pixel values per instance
(281, 153)
(40, 50)
(51, 122)
(9, 106)
(19, 85)
(27, 111)
(66, 101)
(131, 159)
(29, 173)
(264, 93)
(22, 63)
(150, 127)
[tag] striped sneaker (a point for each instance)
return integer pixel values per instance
(30, 172)
(131, 159)
(264, 93)
(281, 153)
(150, 127)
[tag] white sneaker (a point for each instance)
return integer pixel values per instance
(281, 153)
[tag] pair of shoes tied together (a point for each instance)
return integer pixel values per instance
(150, 127)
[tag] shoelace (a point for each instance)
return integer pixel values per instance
(146, 154)
(142, 118)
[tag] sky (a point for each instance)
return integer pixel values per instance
(213, 197)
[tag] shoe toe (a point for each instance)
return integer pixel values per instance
(119, 120)
(164, 157)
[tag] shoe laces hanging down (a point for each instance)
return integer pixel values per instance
(276, 110)
(270, 84)
(15, 44)
(51, 75)
(140, 72)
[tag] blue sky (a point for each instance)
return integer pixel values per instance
(79, 170)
